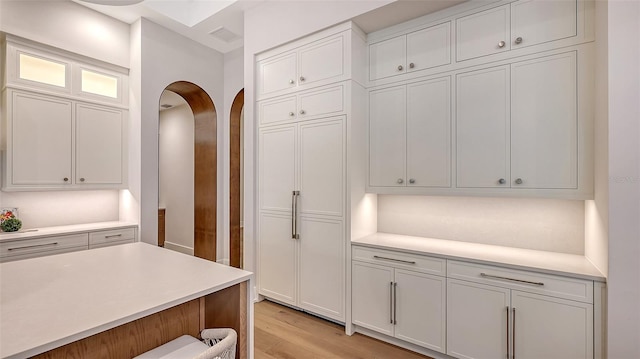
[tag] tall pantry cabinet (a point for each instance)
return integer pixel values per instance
(309, 113)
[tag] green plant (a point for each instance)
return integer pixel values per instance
(11, 225)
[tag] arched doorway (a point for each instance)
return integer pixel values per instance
(235, 182)
(205, 167)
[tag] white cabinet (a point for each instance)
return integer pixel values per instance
(111, 237)
(37, 247)
(517, 25)
(410, 135)
(517, 125)
(406, 304)
(415, 51)
(302, 197)
(320, 62)
(304, 105)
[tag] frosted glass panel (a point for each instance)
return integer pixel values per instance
(43, 71)
(99, 84)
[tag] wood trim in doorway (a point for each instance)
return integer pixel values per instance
(205, 167)
(235, 234)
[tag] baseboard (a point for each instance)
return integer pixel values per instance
(401, 343)
(224, 261)
(178, 248)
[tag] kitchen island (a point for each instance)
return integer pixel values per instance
(117, 302)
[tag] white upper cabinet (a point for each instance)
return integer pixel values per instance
(387, 136)
(318, 63)
(415, 51)
(517, 25)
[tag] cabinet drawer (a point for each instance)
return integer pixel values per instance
(109, 244)
(561, 287)
(281, 109)
(413, 262)
(101, 238)
(28, 248)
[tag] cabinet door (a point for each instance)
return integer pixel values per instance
(387, 141)
(372, 297)
(98, 145)
(322, 266)
(277, 74)
(429, 47)
(421, 309)
(387, 58)
(325, 102)
(429, 133)
(277, 258)
(548, 327)
(483, 33)
(277, 168)
(477, 320)
(483, 128)
(544, 128)
(281, 109)
(322, 167)
(535, 22)
(321, 60)
(40, 140)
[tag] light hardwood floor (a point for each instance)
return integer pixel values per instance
(285, 333)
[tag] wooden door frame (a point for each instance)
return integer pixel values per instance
(205, 167)
(235, 236)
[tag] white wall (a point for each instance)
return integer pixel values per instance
(68, 26)
(540, 224)
(624, 179)
(176, 162)
(167, 57)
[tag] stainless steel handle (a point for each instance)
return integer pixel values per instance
(302, 112)
(302, 78)
(293, 214)
(400, 67)
(82, 179)
(412, 65)
(113, 236)
(507, 332)
(291, 114)
(513, 353)
(296, 235)
(66, 179)
(511, 279)
(291, 82)
(518, 40)
(400, 181)
(519, 181)
(502, 181)
(412, 181)
(501, 44)
(390, 302)
(33, 246)
(395, 303)
(395, 260)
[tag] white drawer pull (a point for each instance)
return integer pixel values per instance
(33, 246)
(511, 279)
(393, 259)
(113, 236)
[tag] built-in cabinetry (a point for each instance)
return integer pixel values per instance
(65, 121)
(56, 240)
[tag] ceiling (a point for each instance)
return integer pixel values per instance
(219, 24)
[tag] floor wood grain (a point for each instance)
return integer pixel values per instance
(285, 333)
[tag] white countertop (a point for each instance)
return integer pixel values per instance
(61, 230)
(571, 265)
(51, 301)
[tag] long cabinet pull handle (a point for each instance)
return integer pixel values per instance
(113, 236)
(511, 279)
(393, 259)
(33, 246)
(395, 303)
(293, 214)
(296, 235)
(390, 302)
(507, 332)
(513, 356)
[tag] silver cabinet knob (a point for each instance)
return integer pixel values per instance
(519, 181)
(502, 181)
(291, 82)
(66, 179)
(501, 44)
(412, 180)
(302, 112)
(82, 179)
(301, 78)
(291, 113)
(518, 40)
(412, 65)
(400, 181)
(400, 67)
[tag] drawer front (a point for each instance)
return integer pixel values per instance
(412, 262)
(277, 111)
(45, 245)
(110, 236)
(556, 286)
(109, 244)
(327, 101)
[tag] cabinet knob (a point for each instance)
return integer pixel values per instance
(291, 82)
(519, 181)
(400, 67)
(301, 78)
(82, 179)
(400, 181)
(66, 179)
(412, 180)
(518, 40)
(501, 44)
(412, 65)
(302, 112)
(291, 113)
(502, 181)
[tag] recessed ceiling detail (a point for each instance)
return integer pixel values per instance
(114, 2)
(188, 12)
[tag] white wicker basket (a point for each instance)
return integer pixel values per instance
(221, 342)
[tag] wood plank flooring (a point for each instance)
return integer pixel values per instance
(285, 333)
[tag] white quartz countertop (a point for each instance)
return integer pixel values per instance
(571, 265)
(51, 301)
(27, 233)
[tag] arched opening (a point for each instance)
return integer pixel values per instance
(204, 168)
(236, 237)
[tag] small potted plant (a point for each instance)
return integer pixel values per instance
(9, 222)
